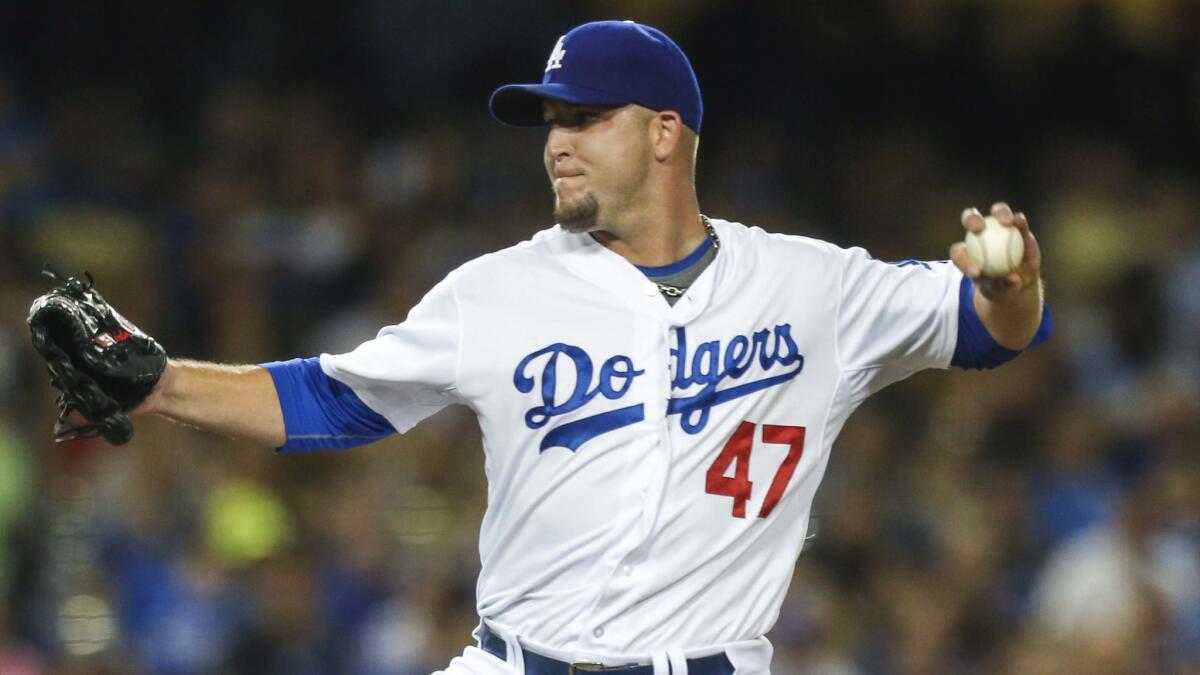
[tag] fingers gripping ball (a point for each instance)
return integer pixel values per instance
(102, 364)
(997, 250)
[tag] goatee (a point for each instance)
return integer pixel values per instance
(578, 215)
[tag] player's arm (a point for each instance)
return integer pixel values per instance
(239, 401)
(290, 405)
(409, 371)
(1010, 307)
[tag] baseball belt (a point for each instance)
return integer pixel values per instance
(537, 664)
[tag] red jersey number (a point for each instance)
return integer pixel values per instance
(737, 453)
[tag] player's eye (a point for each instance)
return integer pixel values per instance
(585, 118)
(572, 119)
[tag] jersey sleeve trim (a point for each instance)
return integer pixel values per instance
(976, 349)
(319, 412)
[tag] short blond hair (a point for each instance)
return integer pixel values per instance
(691, 145)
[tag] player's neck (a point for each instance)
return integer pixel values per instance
(656, 236)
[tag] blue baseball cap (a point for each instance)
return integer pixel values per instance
(607, 63)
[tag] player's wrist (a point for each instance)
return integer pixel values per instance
(156, 402)
(1028, 297)
(1012, 319)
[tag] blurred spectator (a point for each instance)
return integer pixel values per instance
(1076, 487)
(1118, 591)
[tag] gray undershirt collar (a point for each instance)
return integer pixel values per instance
(674, 285)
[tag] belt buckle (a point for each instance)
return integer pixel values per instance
(592, 667)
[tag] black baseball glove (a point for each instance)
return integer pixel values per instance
(103, 365)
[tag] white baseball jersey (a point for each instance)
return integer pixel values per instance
(651, 468)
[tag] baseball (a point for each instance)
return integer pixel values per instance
(997, 249)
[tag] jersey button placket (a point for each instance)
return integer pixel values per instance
(637, 492)
(656, 467)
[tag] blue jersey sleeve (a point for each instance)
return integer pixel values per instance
(319, 412)
(976, 349)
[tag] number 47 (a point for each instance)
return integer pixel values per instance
(737, 450)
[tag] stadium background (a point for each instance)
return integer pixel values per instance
(260, 180)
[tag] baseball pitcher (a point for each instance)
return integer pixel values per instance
(658, 390)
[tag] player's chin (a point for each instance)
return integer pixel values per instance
(577, 214)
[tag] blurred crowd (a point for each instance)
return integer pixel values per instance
(291, 181)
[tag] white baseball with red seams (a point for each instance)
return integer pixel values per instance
(998, 249)
(651, 468)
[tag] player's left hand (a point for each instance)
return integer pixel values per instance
(1028, 272)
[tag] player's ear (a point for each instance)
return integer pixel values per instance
(666, 133)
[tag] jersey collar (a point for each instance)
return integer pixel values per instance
(611, 273)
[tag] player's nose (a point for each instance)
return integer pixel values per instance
(558, 143)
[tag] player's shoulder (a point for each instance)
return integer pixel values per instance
(755, 241)
(527, 255)
(782, 246)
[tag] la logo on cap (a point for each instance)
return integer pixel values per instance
(557, 55)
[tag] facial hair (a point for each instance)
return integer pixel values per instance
(578, 215)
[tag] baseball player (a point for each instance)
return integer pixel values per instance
(658, 390)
